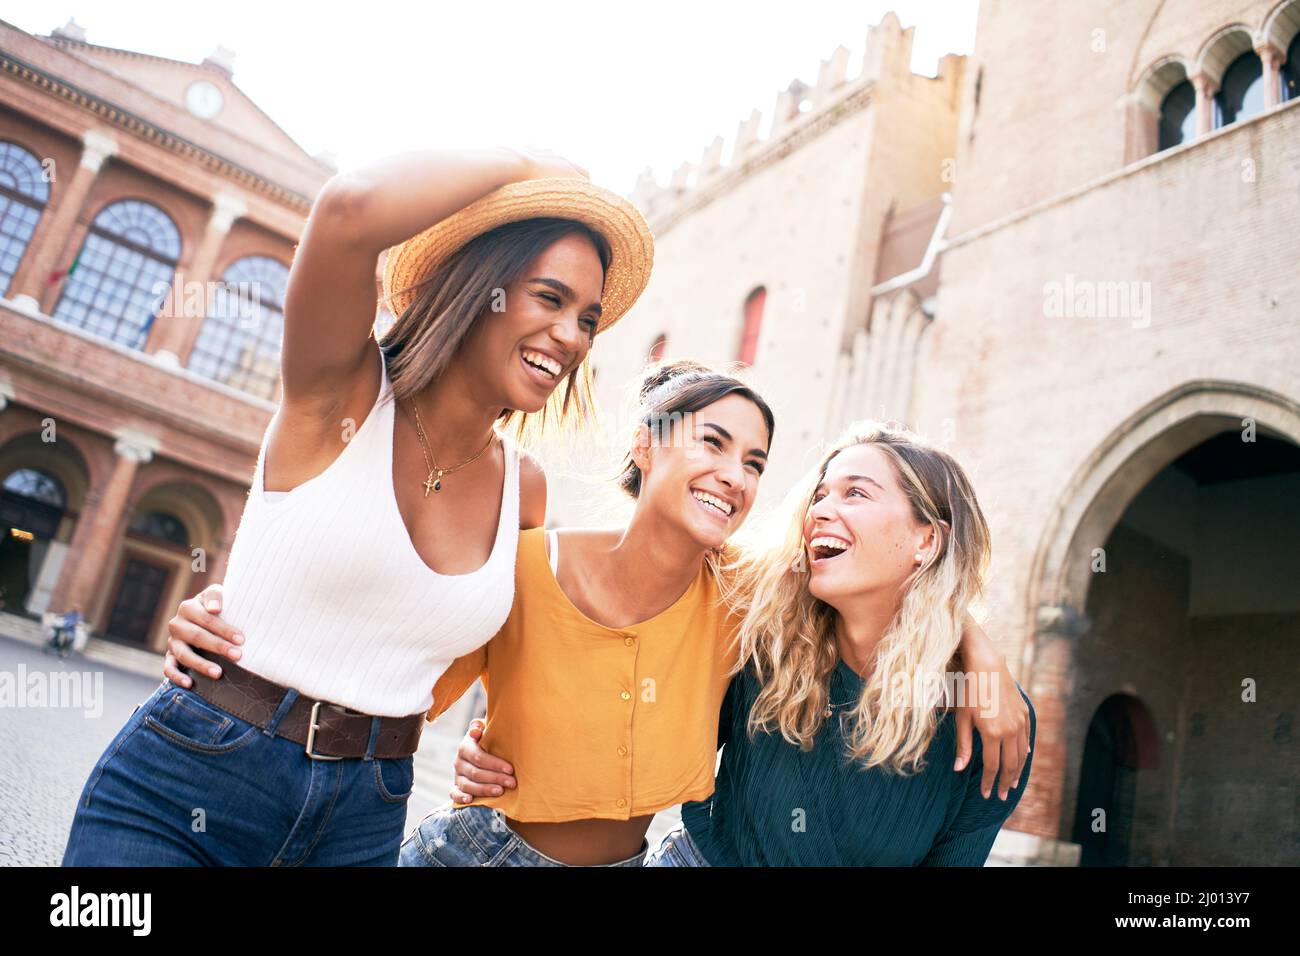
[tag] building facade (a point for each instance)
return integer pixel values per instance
(1067, 259)
(148, 213)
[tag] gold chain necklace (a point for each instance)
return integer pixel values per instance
(432, 483)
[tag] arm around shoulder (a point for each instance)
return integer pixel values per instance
(455, 680)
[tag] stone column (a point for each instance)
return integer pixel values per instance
(1051, 686)
(1141, 129)
(100, 526)
(50, 238)
(173, 333)
(1271, 58)
(1205, 90)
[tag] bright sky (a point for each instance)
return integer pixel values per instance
(615, 87)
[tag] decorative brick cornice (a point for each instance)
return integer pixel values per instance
(143, 129)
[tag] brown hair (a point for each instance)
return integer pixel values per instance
(672, 389)
(425, 338)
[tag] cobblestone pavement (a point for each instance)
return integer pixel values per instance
(46, 753)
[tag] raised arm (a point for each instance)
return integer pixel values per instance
(329, 366)
(331, 299)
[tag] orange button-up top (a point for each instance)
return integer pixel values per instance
(598, 722)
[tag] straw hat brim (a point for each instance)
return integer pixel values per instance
(631, 243)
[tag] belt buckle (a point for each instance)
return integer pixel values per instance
(312, 727)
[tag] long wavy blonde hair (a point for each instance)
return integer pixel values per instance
(788, 636)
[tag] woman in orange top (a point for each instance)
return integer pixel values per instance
(640, 668)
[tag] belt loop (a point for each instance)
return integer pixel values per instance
(374, 736)
(290, 695)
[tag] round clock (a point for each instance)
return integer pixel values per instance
(203, 99)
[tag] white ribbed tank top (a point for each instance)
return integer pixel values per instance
(334, 600)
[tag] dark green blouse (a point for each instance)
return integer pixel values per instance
(775, 805)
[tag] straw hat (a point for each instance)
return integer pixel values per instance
(630, 241)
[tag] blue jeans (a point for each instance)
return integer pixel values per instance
(477, 836)
(677, 849)
(185, 783)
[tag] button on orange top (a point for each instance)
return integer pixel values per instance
(558, 701)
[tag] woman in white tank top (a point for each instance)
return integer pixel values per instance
(378, 540)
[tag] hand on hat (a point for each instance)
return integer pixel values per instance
(544, 164)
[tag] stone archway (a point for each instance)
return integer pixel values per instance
(1153, 612)
(171, 529)
(1121, 741)
(44, 490)
(1135, 451)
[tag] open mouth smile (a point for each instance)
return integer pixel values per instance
(541, 367)
(826, 547)
(715, 506)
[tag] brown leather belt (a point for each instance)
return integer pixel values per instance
(327, 731)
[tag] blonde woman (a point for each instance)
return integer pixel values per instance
(839, 732)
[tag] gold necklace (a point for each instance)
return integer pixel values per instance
(432, 483)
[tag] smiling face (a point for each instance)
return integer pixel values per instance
(702, 476)
(861, 533)
(551, 312)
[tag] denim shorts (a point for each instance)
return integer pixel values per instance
(478, 836)
(677, 849)
(185, 783)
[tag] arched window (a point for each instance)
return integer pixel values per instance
(1241, 94)
(161, 525)
(658, 348)
(1291, 70)
(23, 195)
(753, 324)
(120, 277)
(239, 343)
(38, 486)
(31, 504)
(1178, 116)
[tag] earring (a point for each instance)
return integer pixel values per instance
(920, 558)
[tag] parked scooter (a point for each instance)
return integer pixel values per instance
(68, 632)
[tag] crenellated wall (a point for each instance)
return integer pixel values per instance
(801, 212)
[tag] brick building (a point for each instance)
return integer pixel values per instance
(1068, 258)
(148, 212)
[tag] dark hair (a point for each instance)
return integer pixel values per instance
(672, 389)
(422, 341)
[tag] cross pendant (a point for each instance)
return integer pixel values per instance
(428, 484)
